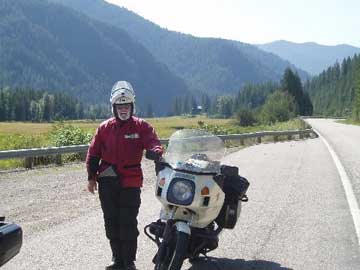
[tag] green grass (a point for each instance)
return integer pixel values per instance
(14, 141)
(20, 135)
(166, 126)
(21, 141)
(350, 122)
(11, 128)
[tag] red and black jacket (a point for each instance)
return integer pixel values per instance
(121, 144)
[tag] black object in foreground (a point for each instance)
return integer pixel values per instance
(10, 240)
(152, 155)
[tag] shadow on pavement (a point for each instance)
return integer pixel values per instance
(211, 263)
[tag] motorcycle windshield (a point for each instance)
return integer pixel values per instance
(195, 150)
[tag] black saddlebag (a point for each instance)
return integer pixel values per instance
(10, 241)
(235, 188)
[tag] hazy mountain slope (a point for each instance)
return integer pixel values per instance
(269, 61)
(212, 65)
(48, 46)
(312, 57)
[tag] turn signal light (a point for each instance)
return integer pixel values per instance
(205, 191)
(162, 182)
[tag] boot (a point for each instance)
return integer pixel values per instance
(130, 266)
(117, 262)
(115, 266)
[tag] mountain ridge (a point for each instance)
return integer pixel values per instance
(52, 47)
(310, 56)
(212, 65)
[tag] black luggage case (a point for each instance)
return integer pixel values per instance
(10, 241)
(235, 187)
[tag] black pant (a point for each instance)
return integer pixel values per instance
(120, 208)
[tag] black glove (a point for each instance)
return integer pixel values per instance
(152, 155)
(93, 167)
(159, 166)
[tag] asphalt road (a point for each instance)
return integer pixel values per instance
(297, 216)
(345, 140)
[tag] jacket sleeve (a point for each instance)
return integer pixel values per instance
(93, 155)
(149, 139)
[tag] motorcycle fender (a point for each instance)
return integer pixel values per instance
(183, 227)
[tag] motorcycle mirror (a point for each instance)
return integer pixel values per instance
(152, 155)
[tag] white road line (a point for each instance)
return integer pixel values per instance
(353, 204)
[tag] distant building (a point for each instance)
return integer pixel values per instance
(196, 110)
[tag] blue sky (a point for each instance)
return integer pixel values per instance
(328, 22)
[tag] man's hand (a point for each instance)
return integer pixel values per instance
(92, 185)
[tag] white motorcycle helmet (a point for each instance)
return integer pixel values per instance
(122, 93)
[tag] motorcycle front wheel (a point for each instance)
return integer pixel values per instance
(175, 254)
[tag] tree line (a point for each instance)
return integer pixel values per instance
(24, 104)
(356, 103)
(265, 102)
(335, 91)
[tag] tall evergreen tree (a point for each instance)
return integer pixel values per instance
(186, 104)
(149, 111)
(291, 83)
(225, 106)
(357, 93)
(79, 109)
(47, 107)
(35, 111)
(254, 95)
(205, 103)
(2, 106)
(177, 106)
(194, 106)
(333, 94)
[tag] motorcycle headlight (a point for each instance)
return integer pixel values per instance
(181, 191)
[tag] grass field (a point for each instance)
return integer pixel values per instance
(164, 126)
(20, 135)
(10, 128)
(350, 122)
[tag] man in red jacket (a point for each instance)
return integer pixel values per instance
(114, 163)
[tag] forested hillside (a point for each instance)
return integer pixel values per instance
(265, 103)
(206, 64)
(252, 96)
(333, 90)
(269, 61)
(356, 106)
(51, 47)
(24, 104)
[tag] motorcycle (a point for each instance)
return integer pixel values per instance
(199, 196)
(10, 240)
